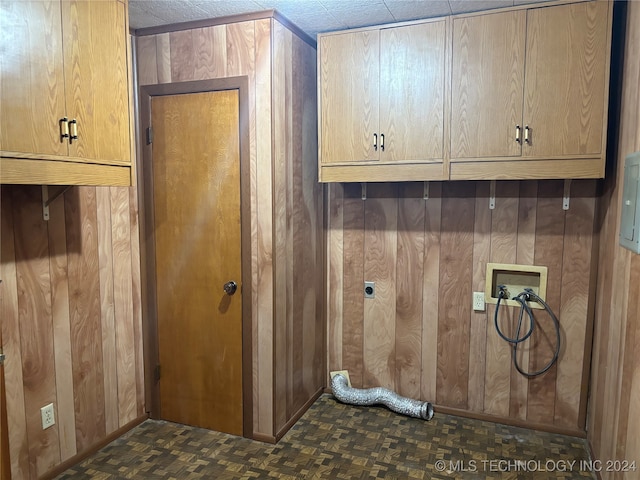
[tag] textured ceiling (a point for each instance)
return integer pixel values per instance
(312, 16)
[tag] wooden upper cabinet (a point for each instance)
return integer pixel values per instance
(382, 103)
(349, 72)
(97, 95)
(539, 114)
(565, 81)
(412, 81)
(32, 86)
(487, 83)
(64, 59)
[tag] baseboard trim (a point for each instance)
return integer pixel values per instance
(77, 458)
(514, 422)
(263, 437)
(296, 416)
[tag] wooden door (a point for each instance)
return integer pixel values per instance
(32, 86)
(412, 92)
(349, 78)
(5, 465)
(566, 79)
(487, 84)
(196, 201)
(95, 60)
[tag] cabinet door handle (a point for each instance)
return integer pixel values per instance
(518, 133)
(64, 128)
(527, 138)
(375, 141)
(382, 142)
(73, 124)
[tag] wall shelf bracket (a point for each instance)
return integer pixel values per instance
(567, 194)
(364, 190)
(492, 195)
(46, 199)
(425, 193)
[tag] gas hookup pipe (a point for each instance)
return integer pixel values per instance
(379, 395)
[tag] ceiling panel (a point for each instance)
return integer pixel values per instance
(312, 16)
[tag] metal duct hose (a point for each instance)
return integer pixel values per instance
(374, 396)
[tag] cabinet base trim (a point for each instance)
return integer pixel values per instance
(43, 172)
(529, 170)
(382, 173)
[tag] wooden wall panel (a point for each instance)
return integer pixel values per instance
(454, 309)
(380, 252)
(614, 407)
(36, 326)
(409, 265)
(53, 320)
(462, 362)
(286, 202)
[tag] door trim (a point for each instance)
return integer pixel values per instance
(147, 237)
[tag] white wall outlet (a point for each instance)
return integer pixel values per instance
(478, 301)
(48, 417)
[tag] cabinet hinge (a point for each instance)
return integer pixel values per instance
(156, 373)
(149, 135)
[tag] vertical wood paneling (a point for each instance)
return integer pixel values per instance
(336, 279)
(478, 329)
(454, 310)
(163, 57)
(548, 251)
(137, 299)
(61, 330)
(54, 317)
(259, 71)
(84, 305)
(14, 384)
(430, 291)
(409, 267)
(574, 302)
(461, 234)
(105, 258)
(123, 302)
(282, 269)
(614, 403)
(525, 253)
(380, 252)
(182, 56)
(503, 250)
(353, 270)
(286, 202)
(36, 326)
(147, 61)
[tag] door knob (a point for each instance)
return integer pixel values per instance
(230, 287)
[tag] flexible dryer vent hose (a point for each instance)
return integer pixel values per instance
(374, 396)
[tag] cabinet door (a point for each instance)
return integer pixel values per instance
(349, 79)
(565, 79)
(32, 86)
(95, 46)
(412, 61)
(487, 84)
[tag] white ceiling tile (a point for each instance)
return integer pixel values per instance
(311, 15)
(216, 8)
(417, 9)
(464, 6)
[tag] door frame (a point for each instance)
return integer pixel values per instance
(147, 237)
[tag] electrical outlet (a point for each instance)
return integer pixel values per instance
(478, 301)
(48, 417)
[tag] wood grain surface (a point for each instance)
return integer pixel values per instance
(614, 407)
(463, 363)
(487, 82)
(574, 37)
(281, 133)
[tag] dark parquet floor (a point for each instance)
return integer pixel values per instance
(336, 441)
